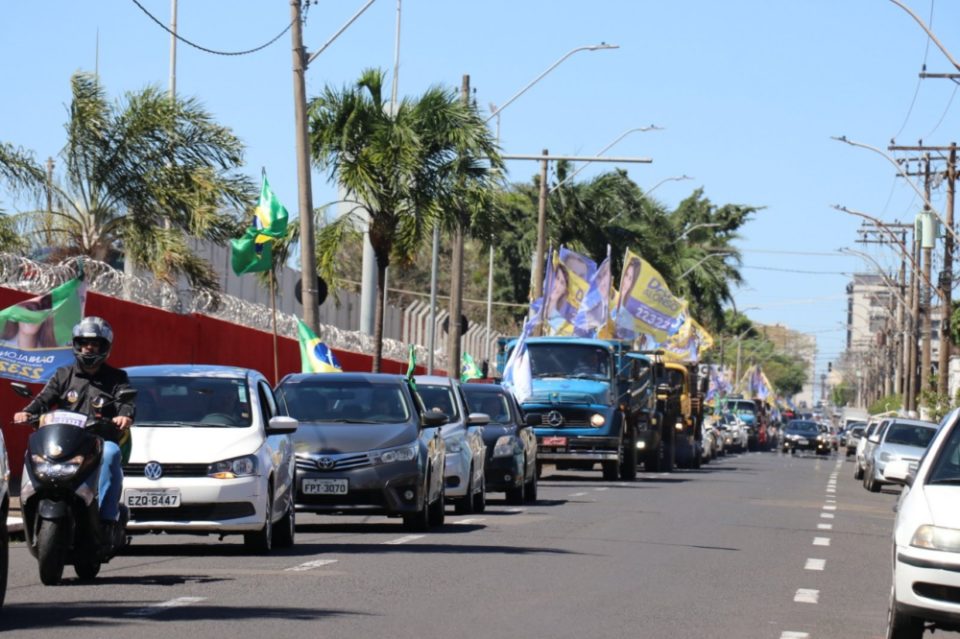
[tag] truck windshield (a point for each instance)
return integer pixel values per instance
(569, 360)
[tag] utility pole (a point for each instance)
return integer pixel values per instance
(927, 255)
(538, 263)
(49, 221)
(946, 279)
(456, 274)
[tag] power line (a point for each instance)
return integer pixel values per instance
(788, 270)
(204, 49)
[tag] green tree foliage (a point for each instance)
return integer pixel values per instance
(138, 177)
(884, 404)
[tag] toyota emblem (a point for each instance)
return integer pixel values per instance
(325, 463)
(554, 418)
(153, 470)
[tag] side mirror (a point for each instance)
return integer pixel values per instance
(533, 420)
(898, 472)
(433, 419)
(874, 439)
(478, 419)
(282, 425)
(21, 389)
(127, 395)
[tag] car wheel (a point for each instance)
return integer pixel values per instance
(611, 471)
(875, 486)
(285, 530)
(420, 520)
(857, 471)
(899, 625)
(261, 541)
(4, 557)
(464, 505)
(517, 495)
(480, 498)
(437, 512)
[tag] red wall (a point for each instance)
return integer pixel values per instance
(148, 335)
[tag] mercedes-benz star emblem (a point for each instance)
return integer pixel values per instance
(326, 463)
(153, 470)
(554, 418)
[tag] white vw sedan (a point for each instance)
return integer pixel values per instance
(210, 455)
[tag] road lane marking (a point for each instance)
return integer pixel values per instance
(793, 634)
(577, 494)
(827, 515)
(470, 520)
(601, 489)
(403, 540)
(514, 510)
(821, 541)
(807, 595)
(165, 605)
(830, 507)
(825, 526)
(815, 564)
(310, 565)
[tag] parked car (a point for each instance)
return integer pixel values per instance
(210, 455)
(365, 446)
(865, 447)
(853, 434)
(926, 537)
(710, 442)
(735, 429)
(511, 445)
(905, 439)
(803, 435)
(463, 437)
(4, 511)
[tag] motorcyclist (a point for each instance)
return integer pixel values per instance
(76, 388)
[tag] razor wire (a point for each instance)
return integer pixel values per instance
(27, 275)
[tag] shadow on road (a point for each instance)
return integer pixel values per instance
(108, 616)
(437, 549)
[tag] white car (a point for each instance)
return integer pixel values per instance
(4, 511)
(210, 455)
(926, 552)
(463, 438)
(865, 446)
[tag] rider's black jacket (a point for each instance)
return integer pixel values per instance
(71, 388)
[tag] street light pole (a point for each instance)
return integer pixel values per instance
(642, 129)
(705, 258)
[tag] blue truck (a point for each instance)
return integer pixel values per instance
(594, 401)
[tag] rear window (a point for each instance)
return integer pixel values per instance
(439, 398)
(493, 404)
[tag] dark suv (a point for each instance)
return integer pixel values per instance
(365, 446)
(801, 435)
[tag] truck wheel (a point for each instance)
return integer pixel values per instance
(668, 461)
(651, 460)
(611, 470)
(628, 467)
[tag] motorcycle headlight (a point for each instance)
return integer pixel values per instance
(506, 446)
(56, 470)
(453, 445)
(232, 468)
(936, 538)
(597, 420)
(401, 454)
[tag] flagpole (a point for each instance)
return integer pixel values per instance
(273, 307)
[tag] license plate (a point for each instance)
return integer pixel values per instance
(554, 441)
(325, 486)
(153, 498)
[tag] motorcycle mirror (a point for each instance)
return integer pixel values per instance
(127, 394)
(21, 389)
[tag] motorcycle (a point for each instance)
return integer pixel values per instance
(58, 495)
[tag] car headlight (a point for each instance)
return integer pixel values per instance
(232, 468)
(885, 456)
(506, 446)
(597, 420)
(56, 470)
(401, 454)
(453, 445)
(936, 538)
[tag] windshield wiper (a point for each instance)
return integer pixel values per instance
(554, 374)
(588, 376)
(350, 421)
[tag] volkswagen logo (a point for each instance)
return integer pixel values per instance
(554, 418)
(153, 470)
(325, 463)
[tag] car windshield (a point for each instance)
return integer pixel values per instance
(909, 435)
(439, 398)
(320, 399)
(803, 428)
(192, 401)
(569, 360)
(745, 407)
(946, 467)
(493, 404)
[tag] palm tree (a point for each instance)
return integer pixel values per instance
(139, 176)
(402, 166)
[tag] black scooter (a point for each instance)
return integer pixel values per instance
(58, 496)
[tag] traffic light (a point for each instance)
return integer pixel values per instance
(829, 367)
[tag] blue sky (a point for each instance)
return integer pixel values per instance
(748, 93)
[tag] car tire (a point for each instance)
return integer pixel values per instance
(611, 470)
(437, 511)
(900, 625)
(480, 498)
(628, 468)
(857, 471)
(517, 495)
(464, 505)
(875, 486)
(651, 460)
(530, 492)
(260, 542)
(4, 557)
(285, 530)
(420, 521)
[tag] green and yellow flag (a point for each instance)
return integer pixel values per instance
(469, 369)
(253, 252)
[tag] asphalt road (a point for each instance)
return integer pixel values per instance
(753, 546)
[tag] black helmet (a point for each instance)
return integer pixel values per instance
(92, 328)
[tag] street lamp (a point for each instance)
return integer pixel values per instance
(676, 178)
(683, 235)
(704, 259)
(642, 129)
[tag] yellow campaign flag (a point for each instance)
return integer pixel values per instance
(689, 343)
(646, 305)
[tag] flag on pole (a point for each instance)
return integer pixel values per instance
(254, 251)
(517, 374)
(315, 356)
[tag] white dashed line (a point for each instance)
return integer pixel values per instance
(601, 489)
(821, 541)
(470, 520)
(793, 634)
(824, 526)
(310, 565)
(166, 605)
(830, 507)
(577, 494)
(807, 595)
(827, 515)
(815, 564)
(403, 540)
(514, 510)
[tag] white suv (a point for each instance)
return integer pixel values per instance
(926, 553)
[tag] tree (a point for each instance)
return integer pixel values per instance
(403, 167)
(139, 177)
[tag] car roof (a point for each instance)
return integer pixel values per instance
(483, 388)
(434, 380)
(913, 422)
(294, 378)
(190, 370)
